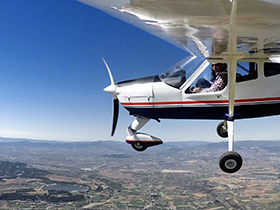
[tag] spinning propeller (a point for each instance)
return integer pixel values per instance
(112, 90)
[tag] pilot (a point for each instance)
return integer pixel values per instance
(204, 83)
(220, 80)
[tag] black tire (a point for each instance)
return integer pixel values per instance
(230, 162)
(222, 130)
(139, 146)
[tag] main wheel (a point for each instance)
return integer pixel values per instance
(230, 162)
(139, 146)
(222, 130)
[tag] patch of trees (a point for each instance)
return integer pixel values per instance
(53, 196)
(12, 170)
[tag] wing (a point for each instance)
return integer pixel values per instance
(204, 26)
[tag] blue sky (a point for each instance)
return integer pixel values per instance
(52, 77)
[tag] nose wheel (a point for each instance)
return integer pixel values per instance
(230, 162)
(139, 146)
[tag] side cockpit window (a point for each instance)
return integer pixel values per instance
(246, 71)
(271, 69)
(215, 79)
(212, 79)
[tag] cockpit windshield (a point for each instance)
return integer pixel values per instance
(176, 75)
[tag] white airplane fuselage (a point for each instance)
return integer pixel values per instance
(152, 98)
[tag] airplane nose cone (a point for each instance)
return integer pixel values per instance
(111, 89)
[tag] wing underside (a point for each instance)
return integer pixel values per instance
(203, 26)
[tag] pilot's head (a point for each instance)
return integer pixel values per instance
(219, 67)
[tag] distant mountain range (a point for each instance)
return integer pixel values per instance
(108, 147)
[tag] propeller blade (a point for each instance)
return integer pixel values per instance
(115, 116)
(109, 70)
(112, 90)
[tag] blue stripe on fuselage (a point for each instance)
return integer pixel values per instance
(218, 112)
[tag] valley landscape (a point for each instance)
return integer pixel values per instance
(111, 175)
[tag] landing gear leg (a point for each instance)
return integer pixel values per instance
(137, 124)
(230, 162)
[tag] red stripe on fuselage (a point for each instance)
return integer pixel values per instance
(257, 100)
(201, 102)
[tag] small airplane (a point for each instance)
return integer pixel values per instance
(242, 37)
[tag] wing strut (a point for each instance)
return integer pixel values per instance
(232, 63)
